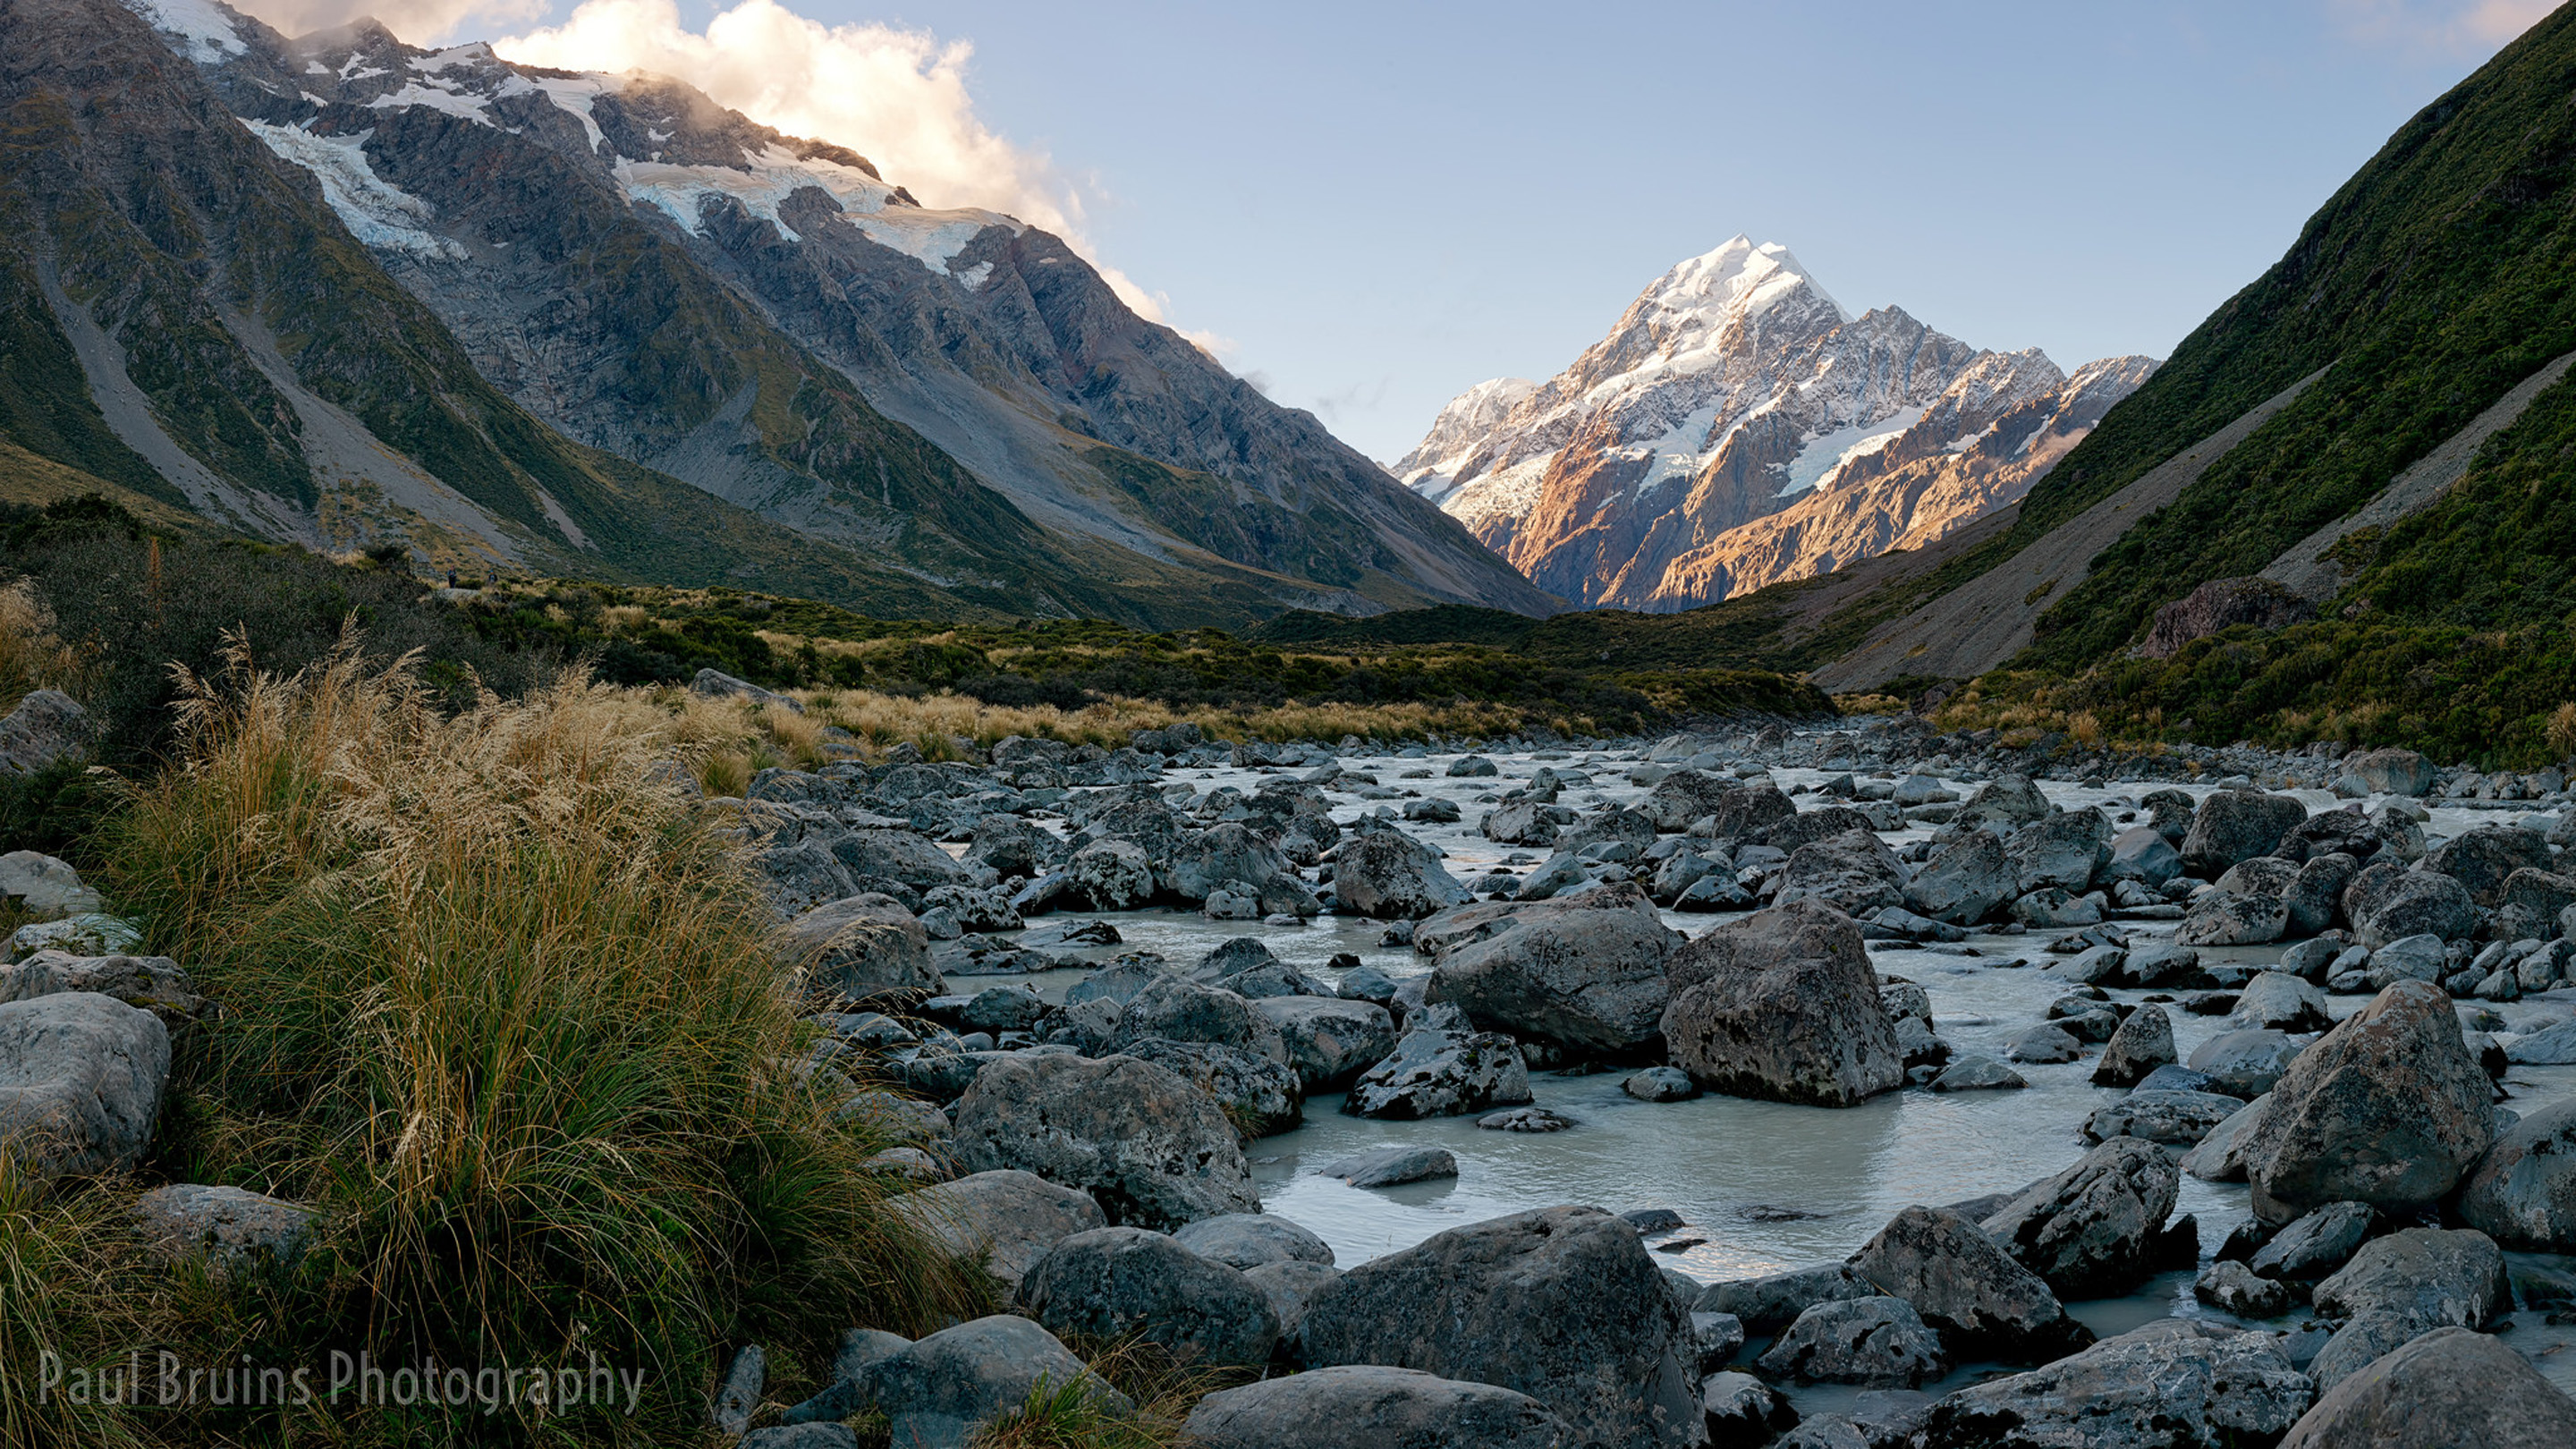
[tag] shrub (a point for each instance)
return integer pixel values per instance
(497, 1003)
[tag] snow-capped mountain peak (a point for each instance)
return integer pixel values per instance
(1733, 388)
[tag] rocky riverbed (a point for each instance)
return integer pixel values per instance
(1858, 1079)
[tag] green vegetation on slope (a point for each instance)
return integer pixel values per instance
(2432, 282)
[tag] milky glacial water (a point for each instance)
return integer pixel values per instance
(1763, 1186)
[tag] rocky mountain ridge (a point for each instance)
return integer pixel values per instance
(1735, 391)
(941, 413)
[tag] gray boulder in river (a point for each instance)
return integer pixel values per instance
(2389, 1108)
(2451, 1387)
(1435, 1073)
(1365, 1404)
(1982, 1302)
(2432, 1276)
(1384, 873)
(1562, 1304)
(1589, 975)
(2176, 1382)
(1783, 1005)
(1329, 1040)
(1152, 1149)
(2234, 825)
(2094, 1230)
(1116, 1282)
(1878, 1342)
(1964, 881)
(2523, 1192)
(864, 948)
(1852, 871)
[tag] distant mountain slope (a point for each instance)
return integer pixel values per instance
(2379, 426)
(765, 317)
(188, 321)
(1737, 428)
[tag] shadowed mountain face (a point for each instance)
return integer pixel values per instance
(1737, 428)
(496, 311)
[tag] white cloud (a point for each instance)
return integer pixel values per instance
(2467, 26)
(897, 97)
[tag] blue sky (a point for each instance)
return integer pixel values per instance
(1367, 207)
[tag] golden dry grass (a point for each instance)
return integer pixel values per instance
(31, 657)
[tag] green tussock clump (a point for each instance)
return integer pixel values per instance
(495, 1003)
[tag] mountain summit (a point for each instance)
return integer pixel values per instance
(1735, 393)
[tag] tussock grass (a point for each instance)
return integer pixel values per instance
(495, 1002)
(2562, 730)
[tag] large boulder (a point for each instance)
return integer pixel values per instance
(1258, 1095)
(2279, 1001)
(2451, 1387)
(80, 1082)
(1228, 856)
(1356, 1404)
(2408, 903)
(1437, 1073)
(1964, 881)
(1175, 1008)
(2065, 850)
(1562, 1304)
(1748, 811)
(1783, 1005)
(1388, 875)
(1007, 1218)
(865, 948)
(1853, 871)
(904, 856)
(2095, 1229)
(1808, 827)
(1245, 1241)
(2006, 803)
(2531, 904)
(2143, 1043)
(1589, 977)
(1329, 1040)
(40, 886)
(2141, 853)
(2234, 825)
(2389, 1108)
(1152, 1149)
(1686, 796)
(2225, 918)
(2316, 1245)
(1983, 1303)
(2392, 772)
(2174, 1384)
(1112, 1283)
(46, 728)
(1878, 1342)
(1008, 845)
(2484, 857)
(2316, 895)
(937, 1392)
(2432, 1276)
(2174, 1118)
(2523, 1192)
(1111, 875)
